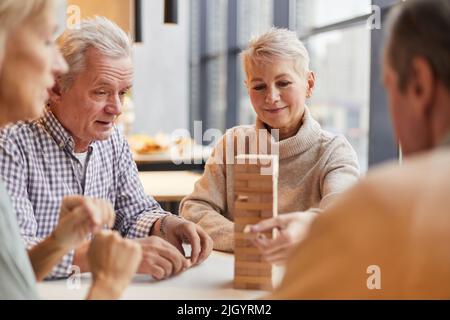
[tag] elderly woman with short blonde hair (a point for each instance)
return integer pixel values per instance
(314, 165)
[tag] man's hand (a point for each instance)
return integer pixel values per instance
(79, 216)
(178, 231)
(292, 228)
(160, 258)
(113, 261)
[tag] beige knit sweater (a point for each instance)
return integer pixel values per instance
(314, 166)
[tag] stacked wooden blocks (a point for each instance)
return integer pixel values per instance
(255, 199)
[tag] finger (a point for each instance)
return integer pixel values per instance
(174, 256)
(163, 263)
(157, 272)
(206, 245)
(278, 256)
(190, 231)
(91, 210)
(70, 202)
(269, 246)
(107, 212)
(266, 225)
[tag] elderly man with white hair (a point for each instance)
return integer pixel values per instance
(75, 148)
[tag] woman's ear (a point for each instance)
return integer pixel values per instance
(311, 80)
(246, 85)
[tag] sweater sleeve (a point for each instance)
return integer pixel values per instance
(341, 171)
(207, 204)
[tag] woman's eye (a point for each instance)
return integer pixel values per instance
(259, 87)
(283, 84)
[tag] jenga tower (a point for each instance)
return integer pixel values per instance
(255, 199)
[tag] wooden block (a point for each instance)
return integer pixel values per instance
(246, 220)
(239, 176)
(247, 213)
(267, 214)
(238, 168)
(258, 188)
(247, 250)
(253, 265)
(249, 197)
(252, 286)
(248, 257)
(253, 272)
(241, 184)
(240, 285)
(243, 243)
(258, 286)
(239, 228)
(252, 206)
(254, 279)
(260, 185)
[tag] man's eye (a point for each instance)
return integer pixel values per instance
(100, 92)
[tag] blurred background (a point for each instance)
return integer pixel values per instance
(187, 68)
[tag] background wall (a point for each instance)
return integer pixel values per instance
(161, 71)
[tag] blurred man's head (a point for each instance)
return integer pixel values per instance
(88, 98)
(417, 72)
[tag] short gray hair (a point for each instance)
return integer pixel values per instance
(98, 33)
(419, 28)
(276, 43)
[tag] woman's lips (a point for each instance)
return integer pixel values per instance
(275, 110)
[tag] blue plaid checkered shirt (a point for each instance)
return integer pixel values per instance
(38, 166)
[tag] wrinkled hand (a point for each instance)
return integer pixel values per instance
(160, 258)
(79, 216)
(292, 228)
(113, 261)
(179, 231)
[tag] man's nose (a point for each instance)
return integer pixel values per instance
(114, 106)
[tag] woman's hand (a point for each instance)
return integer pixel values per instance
(292, 229)
(113, 261)
(79, 216)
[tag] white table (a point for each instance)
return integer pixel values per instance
(211, 280)
(195, 155)
(168, 185)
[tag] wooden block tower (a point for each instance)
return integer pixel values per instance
(255, 199)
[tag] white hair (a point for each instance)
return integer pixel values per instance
(98, 33)
(276, 43)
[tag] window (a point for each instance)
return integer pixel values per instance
(340, 103)
(340, 58)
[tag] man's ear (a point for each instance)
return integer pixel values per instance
(55, 93)
(421, 87)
